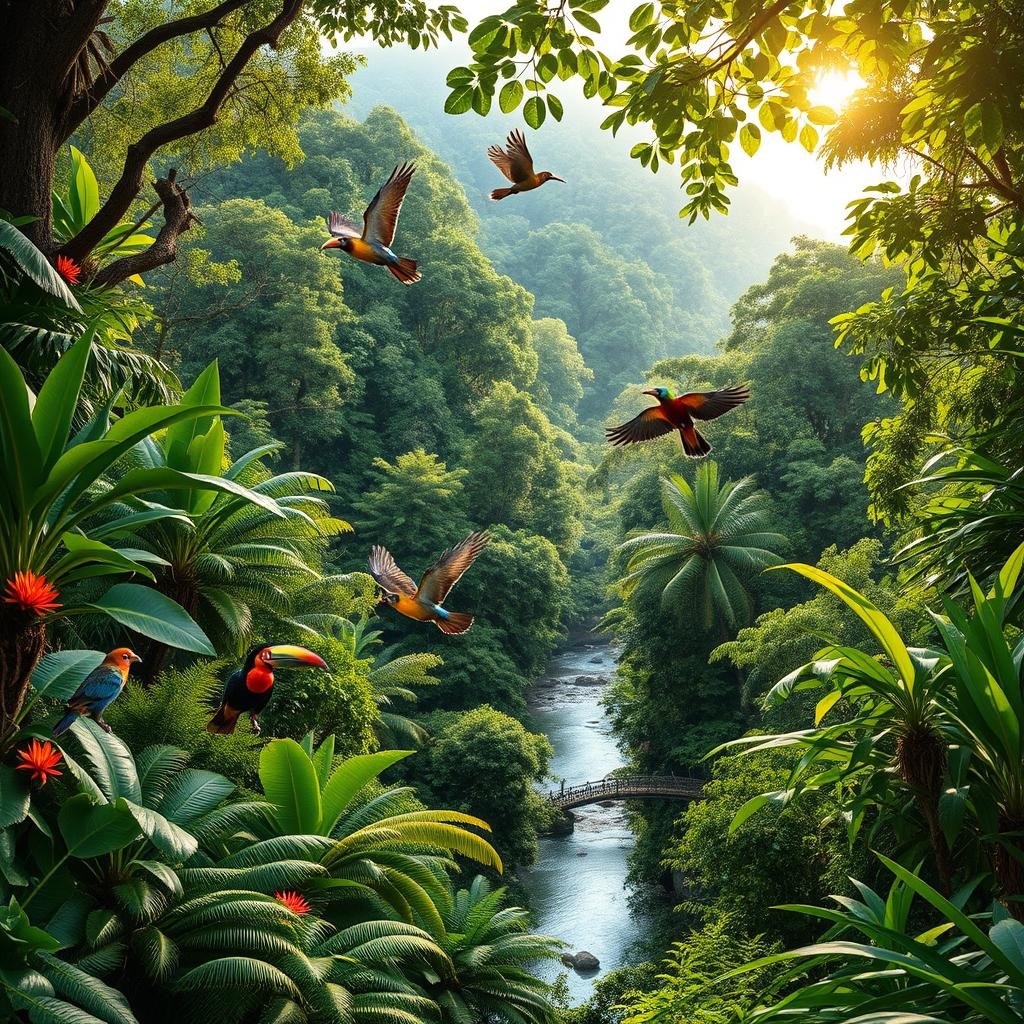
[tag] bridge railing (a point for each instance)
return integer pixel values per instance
(624, 786)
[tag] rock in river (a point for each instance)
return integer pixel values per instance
(590, 681)
(581, 961)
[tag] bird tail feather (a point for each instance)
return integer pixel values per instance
(457, 622)
(65, 723)
(501, 193)
(405, 270)
(224, 721)
(695, 444)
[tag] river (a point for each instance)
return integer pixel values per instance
(578, 886)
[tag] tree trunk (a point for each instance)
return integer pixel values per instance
(921, 761)
(22, 640)
(30, 138)
(1008, 866)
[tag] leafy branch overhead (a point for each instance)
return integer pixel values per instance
(706, 77)
(251, 64)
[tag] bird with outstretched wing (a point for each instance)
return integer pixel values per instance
(424, 603)
(373, 243)
(515, 162)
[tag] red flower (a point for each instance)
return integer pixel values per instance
(294, 901)
(31, 593)
(68, 269)
(40, 759)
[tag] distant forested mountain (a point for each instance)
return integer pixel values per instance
(606, 252)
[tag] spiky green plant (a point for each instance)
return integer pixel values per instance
(717, 537)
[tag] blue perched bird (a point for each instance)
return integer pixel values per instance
(99, 689)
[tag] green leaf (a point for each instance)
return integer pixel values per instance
(35, 265)
(59, 673)
(58, 399)
(82, 550)
(180, 436)
(148, 612)
(534, 112)
(808, 138)
(170, 839)
(14, 796)
(511, 96)
(750, 139)
(84, 192)
(349, 777)
(822, 115)
(983, 125)
(555, 106)
(90, 830)
(882, 629)
(459, 100)
(291, 785)
(21, 468)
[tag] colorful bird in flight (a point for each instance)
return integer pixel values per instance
(248, 689)
(372, 244)
(99, 689)
(424, 602)
(515, 162)
(677, 412)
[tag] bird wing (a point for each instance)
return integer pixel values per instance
(649, 424)
(439, 579)
(341, 227)
(514, 161)
(708, 405)
(384, 569)
(101, 685)
(381, 217)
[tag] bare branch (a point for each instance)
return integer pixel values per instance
(178, 218)
(86, 102)
(128, 185)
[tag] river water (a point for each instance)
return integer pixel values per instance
(578, 886)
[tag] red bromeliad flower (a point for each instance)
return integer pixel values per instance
(31, 593)
(68, 269)
(40, 759)
(294, 901)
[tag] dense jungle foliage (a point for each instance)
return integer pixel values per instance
(206, 422)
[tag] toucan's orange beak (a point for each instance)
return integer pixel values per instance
(288, 656)
(331, 243)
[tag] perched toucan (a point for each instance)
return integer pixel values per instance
(677, 412)
(248, 689)
(424, 602)
(99, 689)
(373, 243)
(515, 162)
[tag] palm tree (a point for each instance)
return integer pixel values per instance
(717, 536)
(491, 950)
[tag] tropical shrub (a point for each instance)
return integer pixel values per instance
(55, 488)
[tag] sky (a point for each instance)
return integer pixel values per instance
(786, 171)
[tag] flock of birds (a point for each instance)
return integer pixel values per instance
(248, 689)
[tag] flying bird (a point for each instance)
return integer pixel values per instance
(515, 162)
(372, 244)
(248, 689)
(99, 689)
(677, 412)
(424, 602)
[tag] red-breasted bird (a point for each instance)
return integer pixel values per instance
(424, 602)
(99, 689)
(248, 689)
(677, 412)
(515, 162)
(372, 244)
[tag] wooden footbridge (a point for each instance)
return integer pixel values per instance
(628, 787)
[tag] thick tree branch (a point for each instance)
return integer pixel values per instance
(748, 34)
(178, 218)
(129, 184)
(86, 102)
